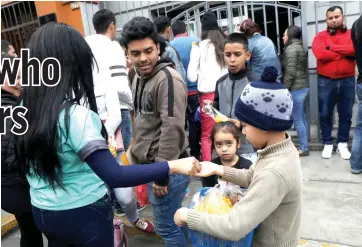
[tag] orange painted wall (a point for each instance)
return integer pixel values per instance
(64, 12)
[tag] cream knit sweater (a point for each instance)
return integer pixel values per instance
(272, 204)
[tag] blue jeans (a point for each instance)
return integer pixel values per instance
(126, 128)
(356, 156)
(332, 92)
(164, 209)
(298, 115)
(88, 226)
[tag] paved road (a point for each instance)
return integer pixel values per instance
(13, 240)
(331, 213)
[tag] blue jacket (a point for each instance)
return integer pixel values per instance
(172, 54)
(263, 53)
(183, 46)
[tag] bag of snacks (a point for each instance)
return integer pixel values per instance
(217, 200)
(215, 114)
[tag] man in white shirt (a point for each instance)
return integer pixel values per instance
(113, 95)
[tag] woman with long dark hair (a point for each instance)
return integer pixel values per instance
(294, 62)
(206, 66)
(64, 152)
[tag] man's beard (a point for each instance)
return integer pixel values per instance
(336, 28)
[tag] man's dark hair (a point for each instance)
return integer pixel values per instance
(102, 19)
(237, 38)
(178, 27)
(139, 28)
(5, 46)
(333, 8)
(161, 23)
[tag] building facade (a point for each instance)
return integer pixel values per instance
(272, 16)
(19, 19)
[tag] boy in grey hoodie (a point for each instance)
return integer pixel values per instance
(230, 86)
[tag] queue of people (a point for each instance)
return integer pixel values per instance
(64, 167)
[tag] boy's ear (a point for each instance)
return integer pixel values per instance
(248, 55)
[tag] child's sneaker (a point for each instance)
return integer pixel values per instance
(144, 225)
(327, 151)
(139, 208)
(119, 212)
(343, 151)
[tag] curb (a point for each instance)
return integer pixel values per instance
(8, 223)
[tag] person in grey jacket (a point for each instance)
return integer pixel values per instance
(163, 25)
(230, 86)
(294, 61)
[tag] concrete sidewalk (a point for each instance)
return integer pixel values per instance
(332, 202)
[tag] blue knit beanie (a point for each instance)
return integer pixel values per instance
(266, 104)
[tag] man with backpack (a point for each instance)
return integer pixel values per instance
(160, 100)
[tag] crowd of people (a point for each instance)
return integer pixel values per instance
(138, 95)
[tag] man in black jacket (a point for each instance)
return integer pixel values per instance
(356, 156)
(15, 193)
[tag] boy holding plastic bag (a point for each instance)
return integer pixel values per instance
(274, 182)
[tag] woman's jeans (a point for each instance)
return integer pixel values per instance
(207, 123)
(332, 92)
(126, 128)
(299, 117)
(164, 209)
(88, 226)
(356, 156)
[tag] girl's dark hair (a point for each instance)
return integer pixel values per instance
(293, 32)
(216, 38)
(39, 146)
(226, 127)
(248, 27)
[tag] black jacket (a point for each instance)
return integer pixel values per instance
(10, 174)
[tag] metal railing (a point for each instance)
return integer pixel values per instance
(19, 20)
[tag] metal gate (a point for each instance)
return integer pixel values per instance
(273, 17)
(19, 20)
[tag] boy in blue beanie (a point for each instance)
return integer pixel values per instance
(274, 181)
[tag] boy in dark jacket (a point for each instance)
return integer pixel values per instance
(15, 191)
(230, 86)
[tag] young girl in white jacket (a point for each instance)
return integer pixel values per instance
(206, 67)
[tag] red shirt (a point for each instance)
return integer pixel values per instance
(337, 62)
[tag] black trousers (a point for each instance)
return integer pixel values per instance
(16, 200)
(194, 127)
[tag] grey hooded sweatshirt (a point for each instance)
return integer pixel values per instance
(228, 89)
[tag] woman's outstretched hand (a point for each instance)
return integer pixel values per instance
(208, 169)
(187, 166)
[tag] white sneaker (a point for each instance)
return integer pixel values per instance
(327, 151)
(343, 151)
